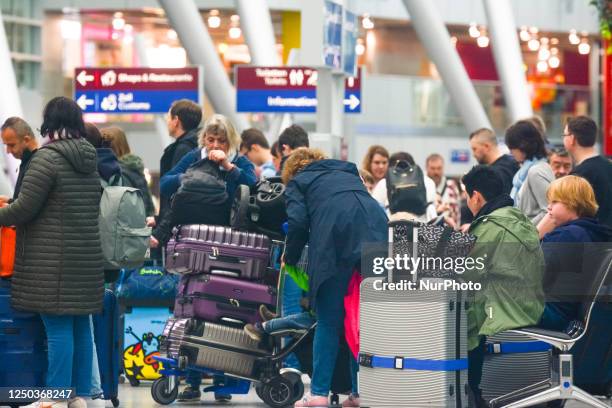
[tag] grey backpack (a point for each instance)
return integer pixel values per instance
(123, 232)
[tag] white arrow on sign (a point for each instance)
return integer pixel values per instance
(83, 102)
(82, 78)
(352, 102)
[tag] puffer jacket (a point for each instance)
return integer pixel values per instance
(132, 170)
(58, 262)
(512, 295)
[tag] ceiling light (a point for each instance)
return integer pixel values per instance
(128, 28)
(533, 44)
(115, 36)
(118, 23)
(543, 54)
(474, 31)
(542, 66)
(544, 40)
(483, 41)
(235, 18)
(584, 47)
(214, 21)
(235, 32)
(454, 40)
(223, 47)
(573, 37)
(534, 30)
(554, 62)
(554, 51)
(554, 41)
(524, 34)
(367, 22)
(360, 47)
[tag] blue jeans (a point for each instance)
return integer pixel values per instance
(295, 321)
(330, 324)
(70, 345)
(292, 294)
(96, 385)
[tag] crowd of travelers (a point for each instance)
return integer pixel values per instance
(523, 202)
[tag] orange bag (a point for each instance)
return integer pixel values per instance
(8, 238)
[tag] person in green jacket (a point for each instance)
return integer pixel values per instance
(511, 295)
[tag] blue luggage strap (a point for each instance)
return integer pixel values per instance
(512, 347)
(405, 363)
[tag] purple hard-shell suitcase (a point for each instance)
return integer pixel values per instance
(217, 250)
(221, 299)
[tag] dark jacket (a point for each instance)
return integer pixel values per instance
(108, 165)
(25, 161)
(565, 274)
(58, 260)
(132, 170)
(170, 158)
(176, 150)
(329, 208)
(243, 173)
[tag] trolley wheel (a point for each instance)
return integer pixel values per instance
(278, 393)
(115, 402)
(335, 399)
(298, 385)
(160, 394)
(134, 382)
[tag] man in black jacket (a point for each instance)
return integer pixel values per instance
(183, 121)
(20, 141)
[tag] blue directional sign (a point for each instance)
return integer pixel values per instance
(286, 90)
(332, 35)
(135, 90)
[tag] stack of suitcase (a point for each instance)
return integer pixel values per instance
(225, 278)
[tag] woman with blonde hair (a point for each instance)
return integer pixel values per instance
(329, 208)
(218, 143)
(572, 209)
(132, 166)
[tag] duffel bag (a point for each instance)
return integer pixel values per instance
(148, 283)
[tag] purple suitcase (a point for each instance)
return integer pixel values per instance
(219, 299)
(217, 250)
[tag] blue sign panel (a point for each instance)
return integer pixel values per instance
(332, 35)
(116, 102)
(460, 156)
(277, 100)
(349, 53)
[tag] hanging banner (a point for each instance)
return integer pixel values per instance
(332, 35)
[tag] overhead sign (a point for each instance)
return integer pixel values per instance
(460, 156)
(332, 35)
(349, 43)
(286, 90)
(135, 90)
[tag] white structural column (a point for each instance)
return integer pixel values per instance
(143, 61)
(508, 58)
(436, 40)
(256, 24)
(10, 105)
(185, 19)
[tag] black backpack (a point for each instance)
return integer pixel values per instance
(202, 197)
(406, 188)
